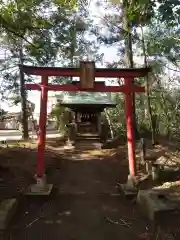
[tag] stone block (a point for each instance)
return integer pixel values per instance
(154, 204)
(7, 210)
(129, 192)
(41, 188)
(35, 190)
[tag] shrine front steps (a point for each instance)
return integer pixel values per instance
(88, 144)
(87, 136)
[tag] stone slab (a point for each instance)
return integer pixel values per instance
(7, 210)
(154, 204)
(35, 190)
(129, 192)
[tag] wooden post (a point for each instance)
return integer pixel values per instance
(42, 127)
(130, 129)
(99, 123)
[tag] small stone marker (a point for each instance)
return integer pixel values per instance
(154, 204)
(7, 210)
(142, 150)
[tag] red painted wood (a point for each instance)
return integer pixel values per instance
(97, 88)
(75, 72)
(128, 88)
(130, 130)
(42, 127)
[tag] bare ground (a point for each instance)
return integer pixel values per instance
(85, 204)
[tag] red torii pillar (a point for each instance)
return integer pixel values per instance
(128, 88)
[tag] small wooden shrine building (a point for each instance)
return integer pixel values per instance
(87, 108)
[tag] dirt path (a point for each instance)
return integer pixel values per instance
(84, 200)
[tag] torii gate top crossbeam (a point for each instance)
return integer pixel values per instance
(75, 72)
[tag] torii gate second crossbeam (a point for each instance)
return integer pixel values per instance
(87, 73)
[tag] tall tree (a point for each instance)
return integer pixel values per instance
(27, 28)
(159, 48)
(122, 24)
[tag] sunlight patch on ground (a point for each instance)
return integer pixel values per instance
(20, 144)
(93, 154)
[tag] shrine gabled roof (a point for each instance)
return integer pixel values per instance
(87, 99)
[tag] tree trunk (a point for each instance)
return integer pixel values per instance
(23, 98)
(129, 57)
(73, 46)
(164, 107)
(73, 50)
(110, 124)
(151, 118)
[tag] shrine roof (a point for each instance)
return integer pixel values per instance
(83, 99)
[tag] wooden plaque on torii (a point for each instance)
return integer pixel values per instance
(87, 74)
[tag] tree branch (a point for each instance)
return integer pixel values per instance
(4, 25)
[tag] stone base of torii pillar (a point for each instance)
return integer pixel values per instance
(129, 188)
(41, 188)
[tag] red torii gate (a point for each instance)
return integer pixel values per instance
(128, 88)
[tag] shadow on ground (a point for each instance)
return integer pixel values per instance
(85, 204)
